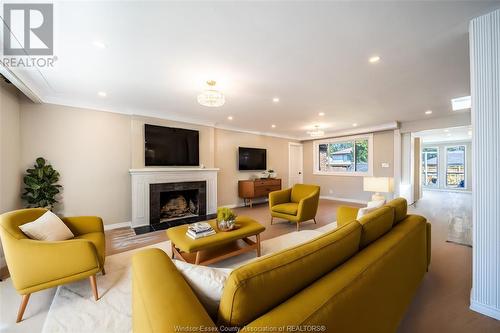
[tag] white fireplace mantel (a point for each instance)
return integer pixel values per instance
(142, 178)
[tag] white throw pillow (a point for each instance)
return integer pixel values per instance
(48, 227)
(370, 207)
(206, 282)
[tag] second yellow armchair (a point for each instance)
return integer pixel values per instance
(36, 265)
(296, 204)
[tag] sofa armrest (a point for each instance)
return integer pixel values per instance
(308, 207)
(39, 265)
(80, 225)
(346, 214)
(279, 197)
(162, 301)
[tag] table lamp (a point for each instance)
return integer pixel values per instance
(377, 185)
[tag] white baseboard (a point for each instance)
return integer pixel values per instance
(117, 225)
(242, 204)
(485, 310)
(327, 197)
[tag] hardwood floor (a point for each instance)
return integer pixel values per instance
(441, 304)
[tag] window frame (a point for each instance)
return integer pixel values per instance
(315, 152)
(438, 153)
(446, 167)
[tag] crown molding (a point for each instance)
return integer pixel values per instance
(16, 81)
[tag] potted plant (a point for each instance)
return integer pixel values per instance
(41, 186)
(226, 219)
(271, 173)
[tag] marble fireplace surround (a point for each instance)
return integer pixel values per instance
(142, 178)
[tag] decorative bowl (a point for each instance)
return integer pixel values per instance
(223, 225)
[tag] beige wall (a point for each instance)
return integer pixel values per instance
(10, 149)
(351, 187)
(90, 149)
(10, 152)
(226, 158)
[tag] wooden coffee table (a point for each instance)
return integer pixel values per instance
(222, 245)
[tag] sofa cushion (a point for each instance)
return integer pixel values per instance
(290, 208)
(253, 289)
(300, 191)
(400, 209)
(376, 224)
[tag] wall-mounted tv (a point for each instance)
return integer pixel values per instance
(252, 158)
(168, 146)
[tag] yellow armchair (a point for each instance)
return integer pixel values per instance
(36, 265)
(296, 204)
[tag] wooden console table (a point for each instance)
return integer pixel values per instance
(251, 189)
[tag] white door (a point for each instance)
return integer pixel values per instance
(295, 164)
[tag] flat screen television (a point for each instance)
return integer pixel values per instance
(168, 146)
(252, 158)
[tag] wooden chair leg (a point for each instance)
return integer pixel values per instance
(103, 271)
(314, 219)
(22, 307)
(93, 285)
(258, 244)
(298, 226)
(197, 260)
(272, 220)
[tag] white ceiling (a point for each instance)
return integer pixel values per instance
(462, 133)
(312, 55)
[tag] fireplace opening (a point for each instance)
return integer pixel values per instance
(172, 204)
(178, 204)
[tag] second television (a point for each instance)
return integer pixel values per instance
(252, 159)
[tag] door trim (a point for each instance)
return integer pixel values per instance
(290, 144)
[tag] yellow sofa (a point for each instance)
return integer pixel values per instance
(36, 265)
(296, 204)
(359, 277)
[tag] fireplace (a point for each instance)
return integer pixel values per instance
(173, 204)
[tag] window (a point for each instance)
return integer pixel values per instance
(343, 156)
(455, 167)
(430, 161)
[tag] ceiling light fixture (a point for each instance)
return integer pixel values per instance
(316, 132)
(230, 117)
(321, 114)
(102, 94)
(276, 99)
(469, 133)
(355, 125)
(428, 112)
(461, 103)
(273, 126)
(99, 44)
(374, 59)
(211, 97)
(446, 130)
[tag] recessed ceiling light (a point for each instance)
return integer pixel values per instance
(461, 103)
(428, 112)
(102, 94)
(374, 59)
(276, 99)
(355, 125)
(446, 130)
(321, 114)
(273, 126)
(99, 44)
(230, 117)
(469, 133)
(449, 134)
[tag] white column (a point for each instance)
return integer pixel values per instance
(485, 84)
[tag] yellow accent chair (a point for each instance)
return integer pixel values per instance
(296, 204)
(36, 265)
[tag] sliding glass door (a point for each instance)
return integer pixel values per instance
(455, 167)
(430, 161)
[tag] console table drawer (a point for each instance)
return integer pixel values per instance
(268, 182)
(263, 191)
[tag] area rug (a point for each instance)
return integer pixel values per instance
(74, 309)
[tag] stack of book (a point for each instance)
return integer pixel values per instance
(199, 230)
